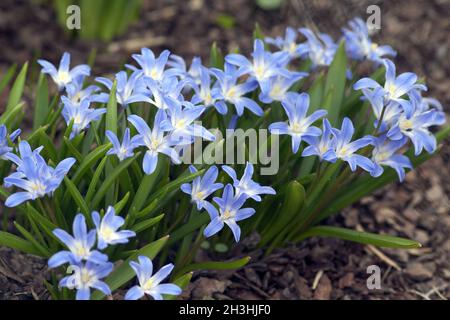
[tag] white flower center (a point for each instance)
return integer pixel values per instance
(38, 187)
(227, 214)
(260, 71)
(64, 77)
(406, 125)
(80, 250)
(297, 128)
(107, 233)
(148, 285)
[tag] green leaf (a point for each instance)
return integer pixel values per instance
(77, 197)
(73, 150)
(216, 59)
(171, 186)
(111, 111)
(89, 161)
(42, 102)
(95, 179)
(293, 201)
(46, 225)
(118, 207)
(144, 225)
(146, 186)
(124, 273)
(359, 237)
(110, 179)
(17, 89)
(7, 77)
(335, 83)
(216, 265)
(182, 282)
(225, 21)
(197, 221)
(257, 32)
(43, 251)
(12, 241)
(10, 115)
(269, 4)
(49, 145)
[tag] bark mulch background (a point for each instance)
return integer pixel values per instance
(316, 268)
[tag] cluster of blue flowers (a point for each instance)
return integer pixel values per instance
(33, 174)
(165, 82)
(233, 198)
(88, 266)
(181, 95)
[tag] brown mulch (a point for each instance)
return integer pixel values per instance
(316, 268)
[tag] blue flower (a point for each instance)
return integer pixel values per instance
(416, 126)
(385, 154)
(163, 94)
(277, 88)
(180, 123)
(299, 125)
(394, 87)
(107, 233)
(264, 64)
(246, 186)
(126, 149)
(81, 115)
(228, 90)
(79, 245)
(76, 93)
(155, 141)
(359, 46)
(345, 149)
(63, 75)
(179, 67)
(288, 44)
(151, 284)
(128, 90)
(230, 212)
(391, 111)
(323, 147)
(151, 66)
(205, 94)
(203, 186)
(321, 48)
(5, 149)
(33, 175)
(87, 276)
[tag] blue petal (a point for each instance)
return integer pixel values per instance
(135, 293)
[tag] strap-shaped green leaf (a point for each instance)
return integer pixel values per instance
(335, 83)
(110, 180)
(89, 161)
(44, 252)
(294, 198)
(111, 111)
(17, 89)
(144, 225)
(182, 282)
(216, 265)
(10, 115)
(7, 77)
(77, 197)
(12, 241)
(171, 186)
(378, 240)
(42, 107)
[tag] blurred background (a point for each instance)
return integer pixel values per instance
(318, 268)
